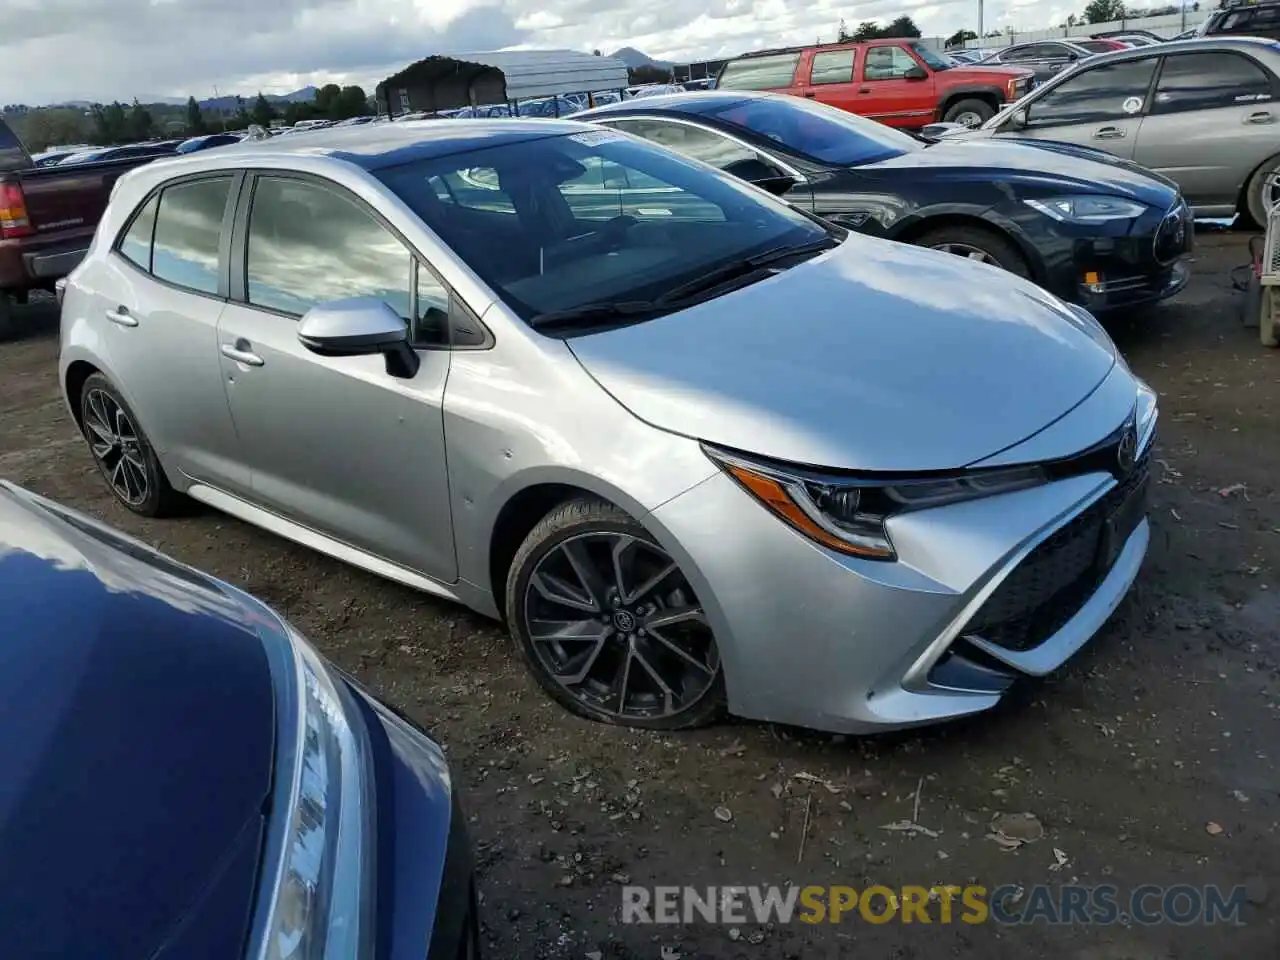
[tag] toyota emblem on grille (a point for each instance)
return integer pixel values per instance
(1127, 449)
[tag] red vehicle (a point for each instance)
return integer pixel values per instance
(47, 218)
(901, 82)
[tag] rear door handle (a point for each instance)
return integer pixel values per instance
(121, 316)
(242, 352)
(1262, 116)
(1108, 133)
(810, 94)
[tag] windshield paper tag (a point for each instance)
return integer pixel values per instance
(596, 137)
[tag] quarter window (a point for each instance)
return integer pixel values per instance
(887, 63)
(1203, 81)
(135, 245)
(188, 232)
(835, 66)
(311, 245)
(1112, 91)
(760, 73)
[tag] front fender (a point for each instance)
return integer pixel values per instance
(918, 221)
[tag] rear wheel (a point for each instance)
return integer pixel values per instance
(1263, 191)
(976, 243)
(971, 113)
(8, 322)
(122, 451)
(608, 623)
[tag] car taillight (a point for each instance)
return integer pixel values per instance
(14, 221)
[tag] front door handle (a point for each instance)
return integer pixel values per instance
(242, 352)
(121, 316)
(864, 89)
(1262, 116)
(1108, 133)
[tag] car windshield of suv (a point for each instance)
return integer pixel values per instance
(937, 61)
(815, 130)
(563, 223)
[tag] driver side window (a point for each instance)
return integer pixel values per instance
(1113, 91)
(887, 63)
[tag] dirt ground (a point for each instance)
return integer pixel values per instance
(1150, 759)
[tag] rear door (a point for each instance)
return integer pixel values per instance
(160, 293)
(335, 443)
(830, 78)
(885, 93)
(1098, 107)
(1212, 121)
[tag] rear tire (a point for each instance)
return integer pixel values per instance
(607, 623)
(8, 320)
(977, 243)
(972, 113)
(1255, 202)
(122, 452)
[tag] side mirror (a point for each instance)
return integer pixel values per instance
(1018, 120)
(763, 175)
(359, 327)
(933, 132)
(916, 73)
(1072, 55)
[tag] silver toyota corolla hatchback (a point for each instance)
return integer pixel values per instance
(696, 448)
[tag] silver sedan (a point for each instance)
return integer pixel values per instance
(697, 449)
(1201, 112)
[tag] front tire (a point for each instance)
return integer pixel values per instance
(608, 624)
(976, 243)
(122, 452)
(971, 113)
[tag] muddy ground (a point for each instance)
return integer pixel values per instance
(1150, 759)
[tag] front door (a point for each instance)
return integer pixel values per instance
(1099, 107)
(336, 444)
(162, 290)
(1211, 122)
(885, 93)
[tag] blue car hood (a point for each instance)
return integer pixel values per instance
(137, 712)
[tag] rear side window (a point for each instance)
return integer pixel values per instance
(188, 231)
(135, 245)
(1204, 81)
(835, 66)
(310, 245)
(1108, 92)
(760, 73)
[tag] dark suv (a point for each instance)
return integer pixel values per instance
(1237, 18)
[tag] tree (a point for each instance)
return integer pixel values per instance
(595, 53)
(866, 30)
(959, 38)
(110, 124)
(140, 126)
(327, 100)
(1104, 11)
(842, 32)
(352, 102)
(195, 118)
(263, 113)
(902, 26)
(41, 128)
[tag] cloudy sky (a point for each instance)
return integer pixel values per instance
(53, 50)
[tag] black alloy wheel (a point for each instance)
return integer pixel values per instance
(608, 623)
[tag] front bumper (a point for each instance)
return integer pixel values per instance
(821, 640)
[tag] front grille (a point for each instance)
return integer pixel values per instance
(1055, 580)
(1174, 235)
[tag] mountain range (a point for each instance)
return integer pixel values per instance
(228, 103)
(634, 58)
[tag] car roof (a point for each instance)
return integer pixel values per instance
(372, 146)
(1192, 45)
(689, 101)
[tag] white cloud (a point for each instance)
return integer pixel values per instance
(53, 50)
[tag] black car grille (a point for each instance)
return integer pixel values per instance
(1056, 579)
(1174, 235)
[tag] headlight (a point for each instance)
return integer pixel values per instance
(1088, 209)
(848, 514)
(321, 908)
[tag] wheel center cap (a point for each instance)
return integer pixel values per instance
(624, 621)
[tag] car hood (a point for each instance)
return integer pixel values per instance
(874, 356)
(137, 705)
(1046, 164)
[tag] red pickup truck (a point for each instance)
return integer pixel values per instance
(47, 218)
(901, 83)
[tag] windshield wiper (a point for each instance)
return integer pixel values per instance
(744, 268)
(604, 311)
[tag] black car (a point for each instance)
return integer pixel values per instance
(1256, 18)
(185, 777)
(1047, 58)
(1088, 227)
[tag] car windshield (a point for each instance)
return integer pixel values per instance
(936, 60)
(560, 223)
(815, 130)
